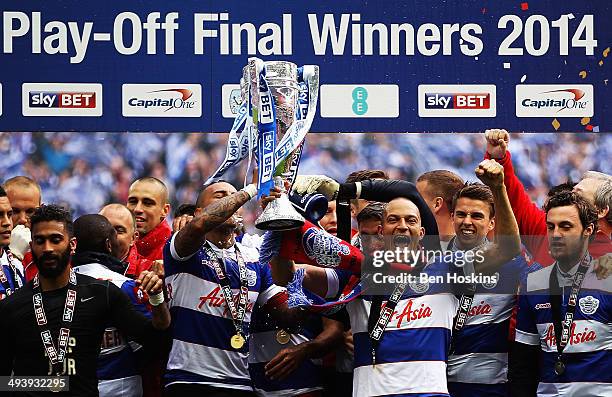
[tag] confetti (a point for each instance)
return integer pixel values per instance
(583, 74)
(606, 52)
(600, 63)
(555, 123)
(606, 81)
(559, 75)
(570, 16)
(596, 128)
(484, 11)
(475, 58)
(589, 127)
(523, 78)
(524, 6)
(506, 65)
(585, 120)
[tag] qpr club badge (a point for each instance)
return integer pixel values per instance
(324, 248)
(588, 305)
(419, 287)
(493, 280)
(251, 277)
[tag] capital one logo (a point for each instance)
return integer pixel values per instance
(554, 101)
(162, 100)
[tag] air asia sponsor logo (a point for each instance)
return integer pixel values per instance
(162, 100)
(554, 101)
(575, 338)
(54, 99)
(457, 100)
(216, 299)
(410, 314)
(482, 308)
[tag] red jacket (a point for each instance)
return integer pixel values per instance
(532, 220)
(151, 245)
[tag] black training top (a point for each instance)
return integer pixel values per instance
(99, 304)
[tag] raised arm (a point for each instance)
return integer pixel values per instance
(374, 190)
(530, 218)
(507, 242)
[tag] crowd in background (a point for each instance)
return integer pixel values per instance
(67, 164)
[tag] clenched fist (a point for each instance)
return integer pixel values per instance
(491, 173)
(497, 143)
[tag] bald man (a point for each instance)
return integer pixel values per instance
(148, 201)
(124, 223)
(24, 195)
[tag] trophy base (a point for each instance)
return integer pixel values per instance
(279, 215)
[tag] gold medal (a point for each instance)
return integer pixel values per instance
(237, 341)
(283, 337)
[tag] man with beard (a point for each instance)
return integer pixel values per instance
(11, 271)
(148, 201)
(97, 256)
(401, 347)
(214, 284)
(56, 322)
(565, 311)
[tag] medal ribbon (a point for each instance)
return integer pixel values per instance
(56, 356)
(562, 329)
(237, 312)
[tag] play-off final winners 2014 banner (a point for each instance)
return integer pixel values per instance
(393, 66)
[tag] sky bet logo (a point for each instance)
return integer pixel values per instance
(162, 100)
(59, 99)
(74, 100)
(457, 100)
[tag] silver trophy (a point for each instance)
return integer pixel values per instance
(282, 79)
(294, 92)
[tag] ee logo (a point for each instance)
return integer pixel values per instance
(360, 104)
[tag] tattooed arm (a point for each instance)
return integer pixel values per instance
(189, 239)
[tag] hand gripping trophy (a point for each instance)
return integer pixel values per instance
(278, 105)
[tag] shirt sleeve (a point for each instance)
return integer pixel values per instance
(173, 263)
(530, 218)
(526, 330)
(137, 297)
